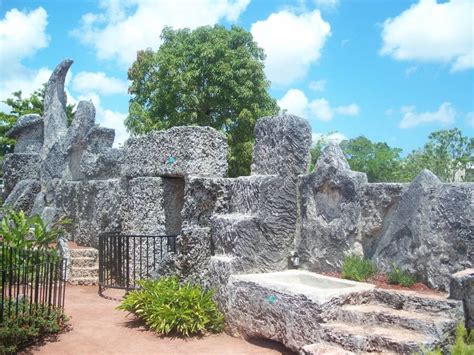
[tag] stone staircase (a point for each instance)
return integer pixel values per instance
(388, 322)
(84, 268)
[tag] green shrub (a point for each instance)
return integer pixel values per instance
(31, 323)
(167, 306)
(20, 231)
(463, 344)
(400, 277)
(357, 268)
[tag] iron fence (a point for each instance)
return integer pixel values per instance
(124, 259)
(31, 281)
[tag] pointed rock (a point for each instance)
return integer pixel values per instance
(332, 157)
(55, 119)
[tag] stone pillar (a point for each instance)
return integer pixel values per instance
(461, 288)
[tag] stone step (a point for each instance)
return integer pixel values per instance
(84, 281)
(84, 253)
(355, 337)
(434, 324)
(411, 300)
(324, 348)
(84, 272)
(84, 262)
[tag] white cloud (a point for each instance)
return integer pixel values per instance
(318, 85)
(108, 118)
(326, 4)
(98, 82)
(296, 102)
(445, 115)
(126, 26)
(432, 32)
(334, 137)
(291, 42)
(349, 110)
(22, 34)
(321, 109)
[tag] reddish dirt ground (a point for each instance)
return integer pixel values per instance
(98, 328)
(381, 281)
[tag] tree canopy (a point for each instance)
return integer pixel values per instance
(210, 76)
(448, 154)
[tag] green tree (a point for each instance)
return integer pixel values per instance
(446, 154)
(379, 161)
(210, 76)
(19, 106)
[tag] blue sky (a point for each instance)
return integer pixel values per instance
(393, 71)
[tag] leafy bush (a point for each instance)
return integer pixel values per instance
(400, 277)
(20, 231)
(357, 268)
(31, 323)
(167, 306)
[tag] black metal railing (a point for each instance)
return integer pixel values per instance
(31, 281)
(124, 259)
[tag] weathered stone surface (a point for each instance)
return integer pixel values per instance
(152, 206)
(93, 207)
(330, 211)
(55, 119)
(101, 165)
(19, 166)
(142, 207)
(431, 232)
(23, 195)
(84, 120)
(100, 139)
(259, 226)
(294, 313)
(179, 151)
(28, 133)
(282, 145)
(54, 164)
(461, 288)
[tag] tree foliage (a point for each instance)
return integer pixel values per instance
(19, 106)
(210, 76)
(448, 154)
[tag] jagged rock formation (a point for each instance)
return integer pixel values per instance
(426, 227)
(173, 182)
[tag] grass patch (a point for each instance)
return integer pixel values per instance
(357, 268)
(400, 277)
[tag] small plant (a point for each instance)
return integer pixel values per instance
(400, 277)
(20, 231)
(463, 344)
(357, 268)
(167, 306)
(32, 322)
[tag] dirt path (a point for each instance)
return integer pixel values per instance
(100, 329)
